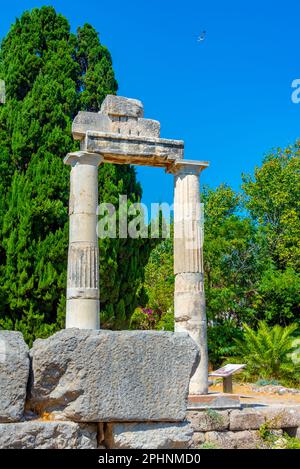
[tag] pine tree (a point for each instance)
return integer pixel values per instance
(51, 74)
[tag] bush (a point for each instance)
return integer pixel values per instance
(149, 319)
(269, 353)
(221, 342)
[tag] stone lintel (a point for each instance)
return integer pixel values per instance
(187, 167)
(128, 149)
(83, 157)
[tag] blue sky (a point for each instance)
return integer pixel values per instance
(228, 97)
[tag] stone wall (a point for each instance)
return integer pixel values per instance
(96, 389)
(101, 389)
(239, 429)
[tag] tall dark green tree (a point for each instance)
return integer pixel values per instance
(50, 75)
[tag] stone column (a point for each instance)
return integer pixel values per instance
(83, 307)
(189, 298)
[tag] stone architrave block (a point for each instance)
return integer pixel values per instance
(103, 376)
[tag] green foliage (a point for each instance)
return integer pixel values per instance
(208, 445)
(291, 442)
(221, 337)
(214, 416)
(273, 441)
(273, 199)
(267, 382)
(166, 321)
(50, 75)
(244, 281)
(159, 276)
(148, 319)
(268, 351)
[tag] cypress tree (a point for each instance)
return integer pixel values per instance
(51, 74)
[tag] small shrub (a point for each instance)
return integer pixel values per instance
(273, 441)
(267, 382)
(149, 319)
(214, 416)
(208, 445)
(269, 353)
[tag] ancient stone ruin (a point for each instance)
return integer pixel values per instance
(89, 388)
(120, 134)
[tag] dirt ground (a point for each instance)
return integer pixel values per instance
(250, 396)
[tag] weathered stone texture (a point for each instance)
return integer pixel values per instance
(121, 106)
(247, 419)
(282, 417)
(235, 440)
(102, 376)
(197, 440)
(14, 371)
(85, 121)
(133, 149)
(149, 435)
(48, 435)
(276, 417)
(207, 421)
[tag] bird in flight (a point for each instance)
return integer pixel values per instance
(202, 36)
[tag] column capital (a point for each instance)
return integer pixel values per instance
(83, 157)
(187, 167)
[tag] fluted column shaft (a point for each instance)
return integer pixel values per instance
(189, 297)
(83, 307)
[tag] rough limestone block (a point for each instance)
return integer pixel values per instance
(102, 376)
(235, 440)
(48, 435)
(136, 127)
(197, 440)
(221, 440)
(246, 419)
(85, 121)
(120, 106)
(119, 148)
(14, 371)
(282, 416)
(247, 440)
(149, 128)
(148, 435)
(210, 420)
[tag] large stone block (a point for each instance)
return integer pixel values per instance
(148, 435)
(102, 376)
(209, 420)
(133, 149)
(197, 440)
(48, 435)
(14, 371)
(122, 107)
(282, 416)
(235, 440)
(85, 121)
(246, 419)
